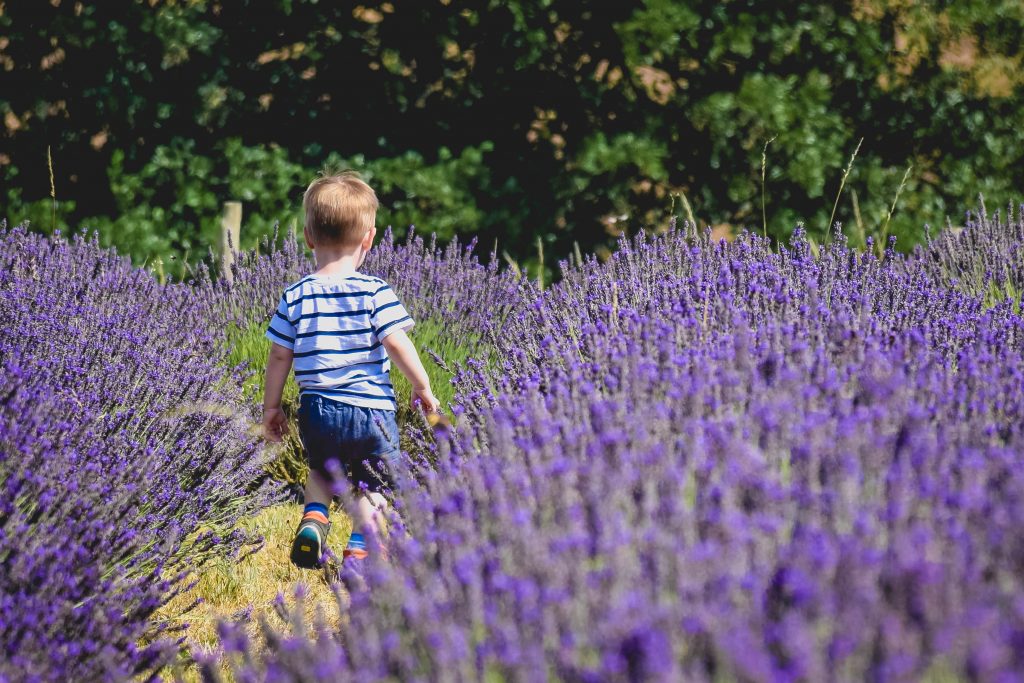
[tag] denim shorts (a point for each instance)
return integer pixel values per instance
(363, 441)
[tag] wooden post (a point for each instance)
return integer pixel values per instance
(230, 234)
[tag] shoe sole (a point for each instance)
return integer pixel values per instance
(305, 553)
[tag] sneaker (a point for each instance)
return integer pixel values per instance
(356, 548)
(354, 553)
(360, 552)
(309, 543)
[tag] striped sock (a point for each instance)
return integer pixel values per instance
(356, 542)
(316, 512)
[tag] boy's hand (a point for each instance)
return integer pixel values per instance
(279, 363)
(425, 400)
(403, 354)
(275, 424)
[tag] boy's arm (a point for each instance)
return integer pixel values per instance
(403, 354)
(279, 363)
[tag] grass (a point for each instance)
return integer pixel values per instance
(998, 293)
(249, 345)
(230, 588)
(433, 335)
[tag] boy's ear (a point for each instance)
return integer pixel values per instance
(368, 239)
(305, 233)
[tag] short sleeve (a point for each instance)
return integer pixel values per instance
(388, 315)
(281, 330)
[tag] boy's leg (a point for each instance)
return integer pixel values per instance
(370, 510)
(378, 435)
(325, 428)
(318, 489)
(368, 518)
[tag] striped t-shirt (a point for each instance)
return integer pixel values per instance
(334, 325)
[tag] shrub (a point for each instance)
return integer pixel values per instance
(705, 461)
(125, 458)
(985, 257)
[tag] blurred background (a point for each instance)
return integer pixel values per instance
(530, 125)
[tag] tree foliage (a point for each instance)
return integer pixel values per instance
(568, 121)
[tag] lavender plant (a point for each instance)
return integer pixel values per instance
(985, 257)
(127, 451)
(125, 458)
(704, 461)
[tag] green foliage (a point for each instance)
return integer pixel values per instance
(40, 213)
(170, 205)
(431, 336)
(162, 208)
(412, 189)
(511, 121)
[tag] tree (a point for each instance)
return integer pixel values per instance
(511, 121)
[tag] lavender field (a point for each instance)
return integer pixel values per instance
(695, 461)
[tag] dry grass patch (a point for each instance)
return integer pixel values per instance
(248, 589)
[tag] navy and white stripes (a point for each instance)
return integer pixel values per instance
(334, 325)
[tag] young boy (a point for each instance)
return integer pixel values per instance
(342, 330)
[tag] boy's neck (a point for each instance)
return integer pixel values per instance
(337, 260)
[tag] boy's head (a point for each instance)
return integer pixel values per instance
(340, 210)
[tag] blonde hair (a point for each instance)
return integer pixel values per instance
(340, 208)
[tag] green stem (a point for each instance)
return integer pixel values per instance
(764, 165)
(888, 217)
(842, 184)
